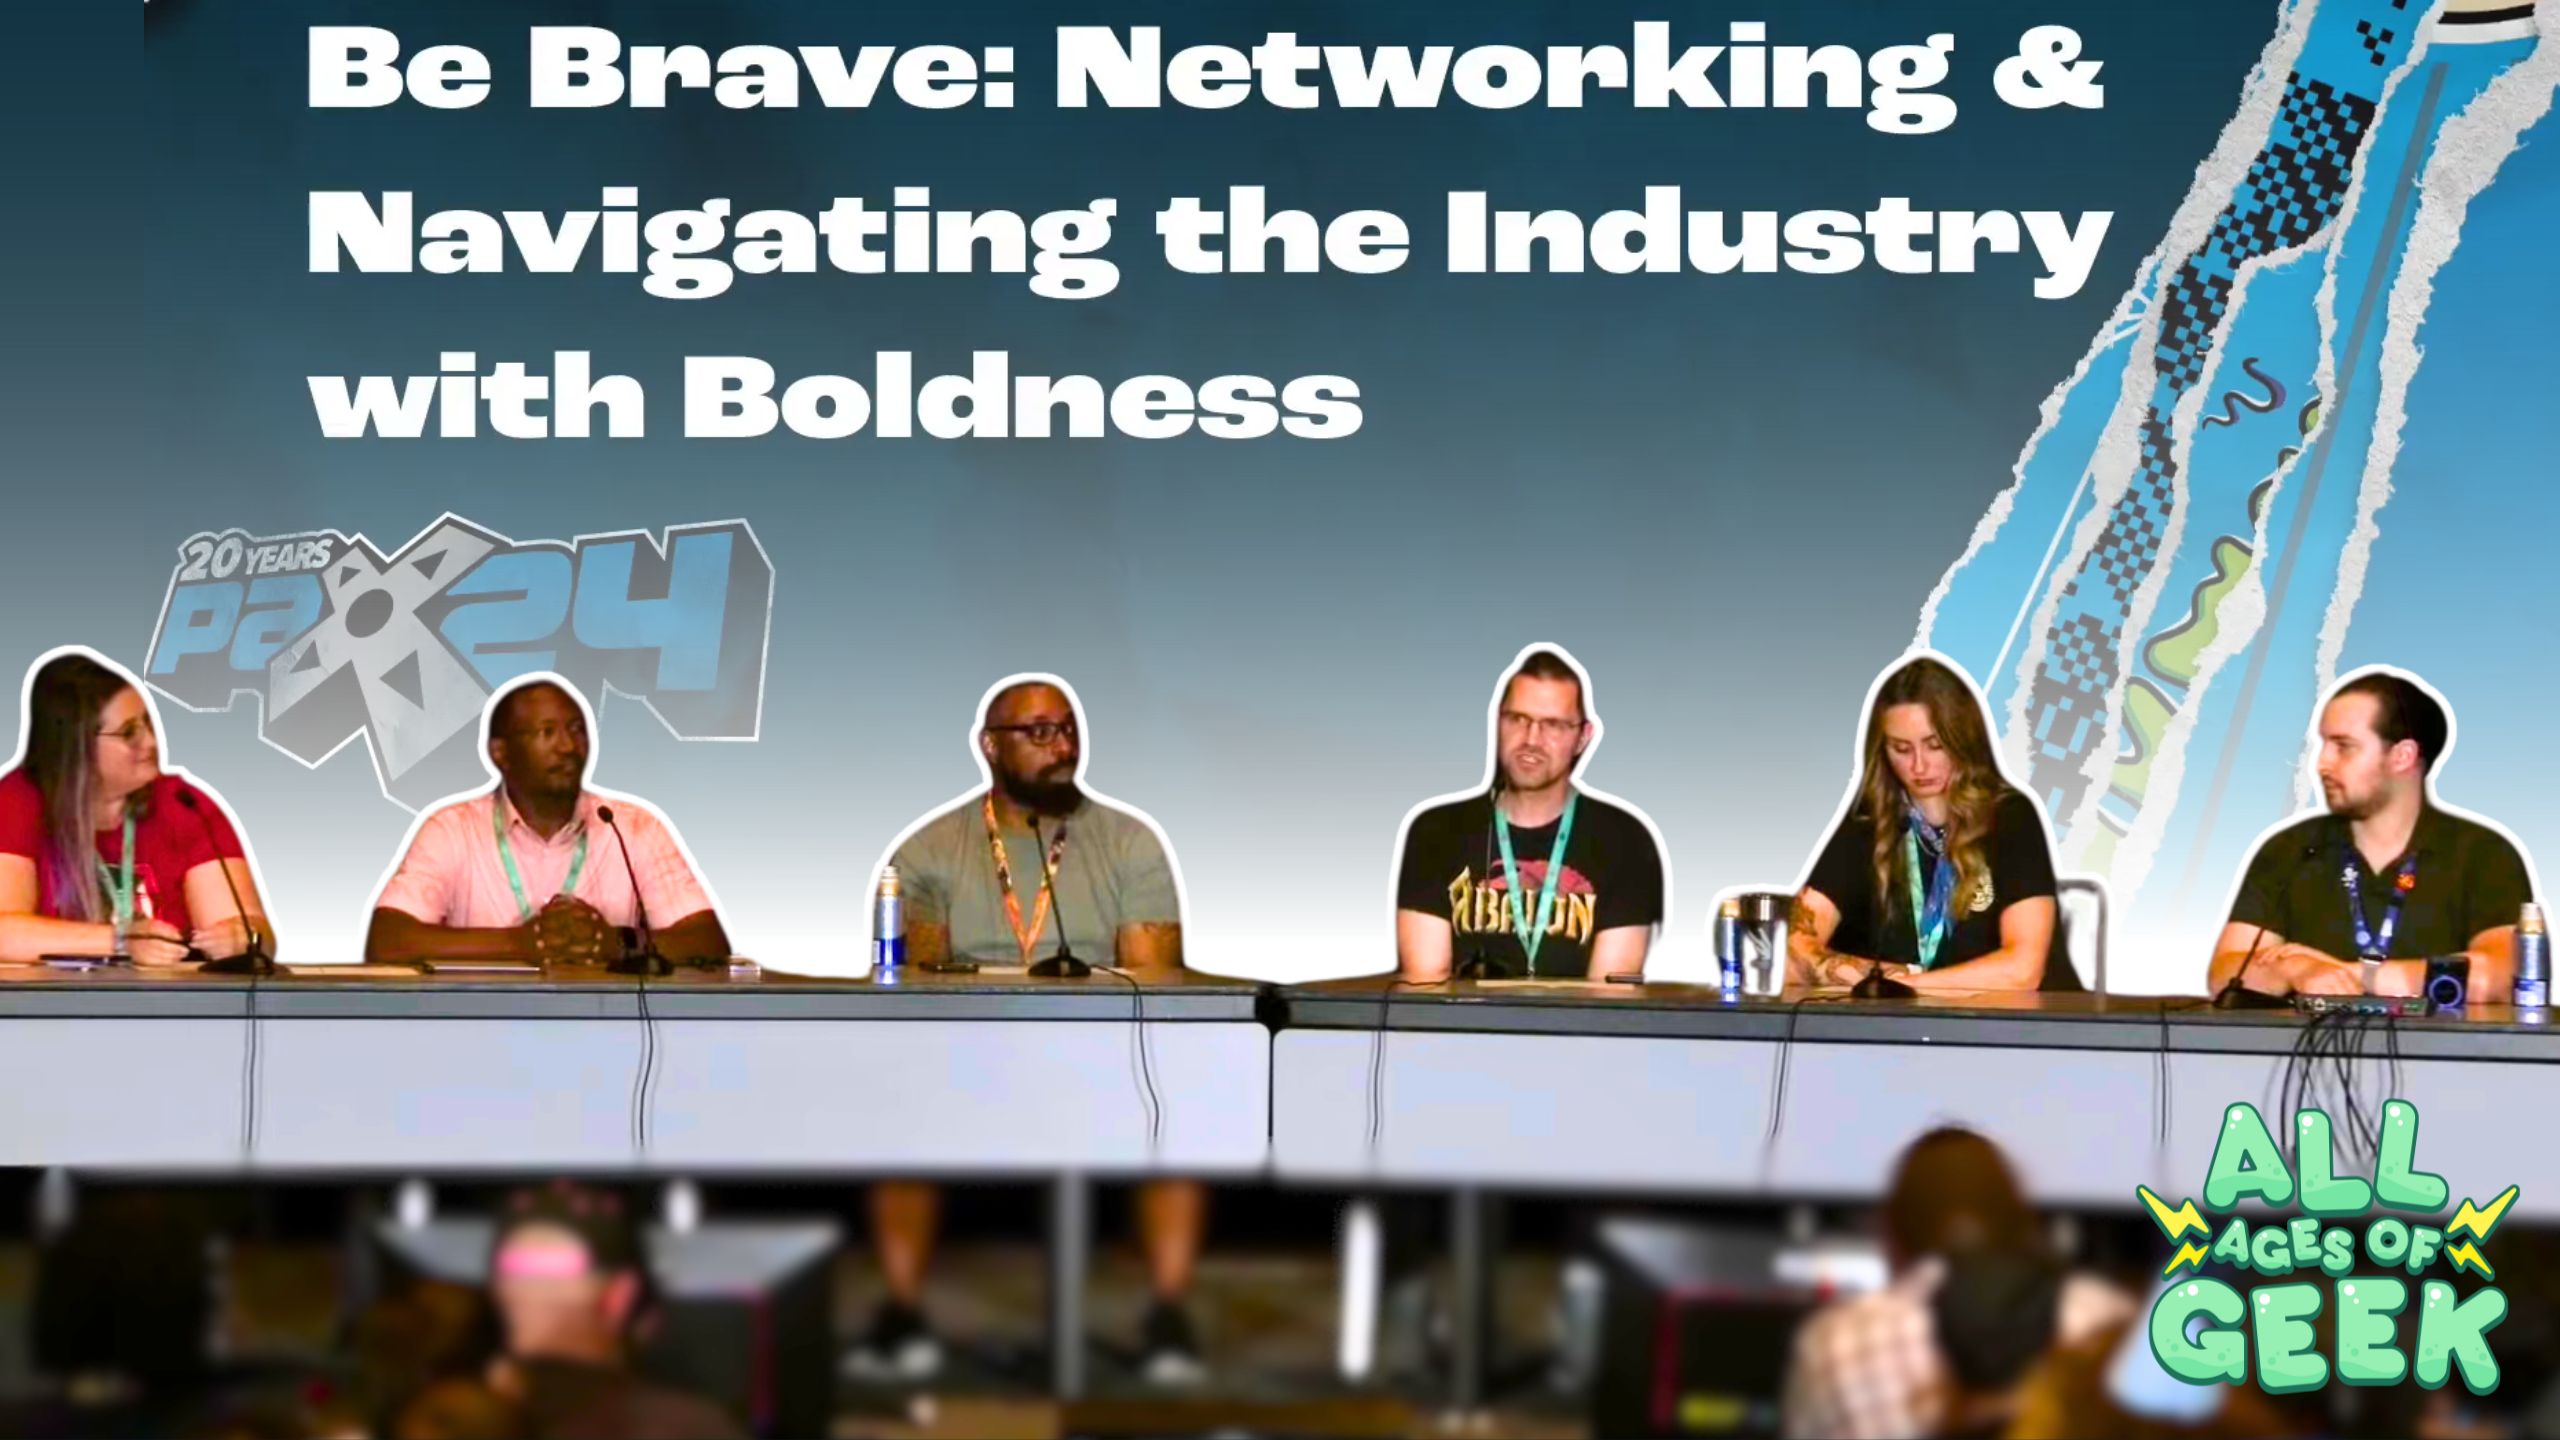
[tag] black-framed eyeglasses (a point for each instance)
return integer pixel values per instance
(1040, 732)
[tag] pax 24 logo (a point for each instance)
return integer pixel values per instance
(2203, 1331)
(337, 639)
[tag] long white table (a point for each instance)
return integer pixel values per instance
(1590, 1088)
(945, 1075)
(1593, 1089)
(350, 1072)
(1473, 1087)
(1598, 1088)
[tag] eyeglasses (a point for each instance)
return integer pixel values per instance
(1545, 728)
(1041, 732)
(129, 734)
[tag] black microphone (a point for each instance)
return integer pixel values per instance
(255, 960)
(1064, 965)
(2232, 996)
(1479, 963)
(1877, 985)
(648, 961)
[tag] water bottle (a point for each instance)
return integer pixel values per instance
(1729, 948)
(2533, 961)
(888, 929)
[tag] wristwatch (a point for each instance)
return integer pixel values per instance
(2372, 973)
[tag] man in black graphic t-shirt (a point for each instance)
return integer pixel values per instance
(1477, 875)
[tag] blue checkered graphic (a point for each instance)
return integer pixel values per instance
(2294, 188)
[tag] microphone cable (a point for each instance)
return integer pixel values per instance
(1142, 1056)
(644, 1080)
(1396, 981)
(1378, 1052)
(2160, 1094)
(253, 1077)
(2325, 1062)
(259, 961)
(1781, 1068)
(642, 967)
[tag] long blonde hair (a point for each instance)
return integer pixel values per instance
(1974, 791)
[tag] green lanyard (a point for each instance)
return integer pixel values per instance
(119, 881)
(507, 857)
(1531, 937)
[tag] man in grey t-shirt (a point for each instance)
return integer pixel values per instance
(975, 887)
(1115, 899)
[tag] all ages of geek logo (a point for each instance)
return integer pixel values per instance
(2204, 1332)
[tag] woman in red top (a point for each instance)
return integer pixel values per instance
(100, 852)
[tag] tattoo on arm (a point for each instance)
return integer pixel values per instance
(1150, 943)
(1802, 921)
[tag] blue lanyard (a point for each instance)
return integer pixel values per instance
(2369, 945)
(1531, 937)
(1930, 906)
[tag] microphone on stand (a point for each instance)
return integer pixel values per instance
(1064, 965)
(1479, 963)
(1877, 985)
(256, 960)
(647, 961)
(2232, 995)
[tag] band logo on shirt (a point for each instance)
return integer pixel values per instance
(338, 639)
(1493, 907)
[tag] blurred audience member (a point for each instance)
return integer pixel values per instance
(430, 1332)
(1994, 1313)
(2109, 1387)
(124, 1299)
(1873, 1368)
(566, 1278)
(459, 1410)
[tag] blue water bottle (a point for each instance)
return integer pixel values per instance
(1729, 948)
(2533, 963)
(888, 929)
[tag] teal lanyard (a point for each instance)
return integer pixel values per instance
(1532, 936)
(1929, 930)
(507, 856)
(119, 881)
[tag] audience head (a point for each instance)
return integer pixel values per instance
(1995, 1311)
(1953, 1191)
(565, 1275)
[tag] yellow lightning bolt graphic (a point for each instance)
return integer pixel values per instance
(2192, 1253)
(2175, 1222)
(2481, 1220)
(2478, 1221)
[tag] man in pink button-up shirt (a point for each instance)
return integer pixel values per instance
(533, 869)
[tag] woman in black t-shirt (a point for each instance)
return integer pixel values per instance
(1940, 869)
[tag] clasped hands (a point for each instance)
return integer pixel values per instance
(569, 931)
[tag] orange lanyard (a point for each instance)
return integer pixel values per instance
(1025, 938)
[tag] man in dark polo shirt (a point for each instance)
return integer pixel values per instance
(2358, 900)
